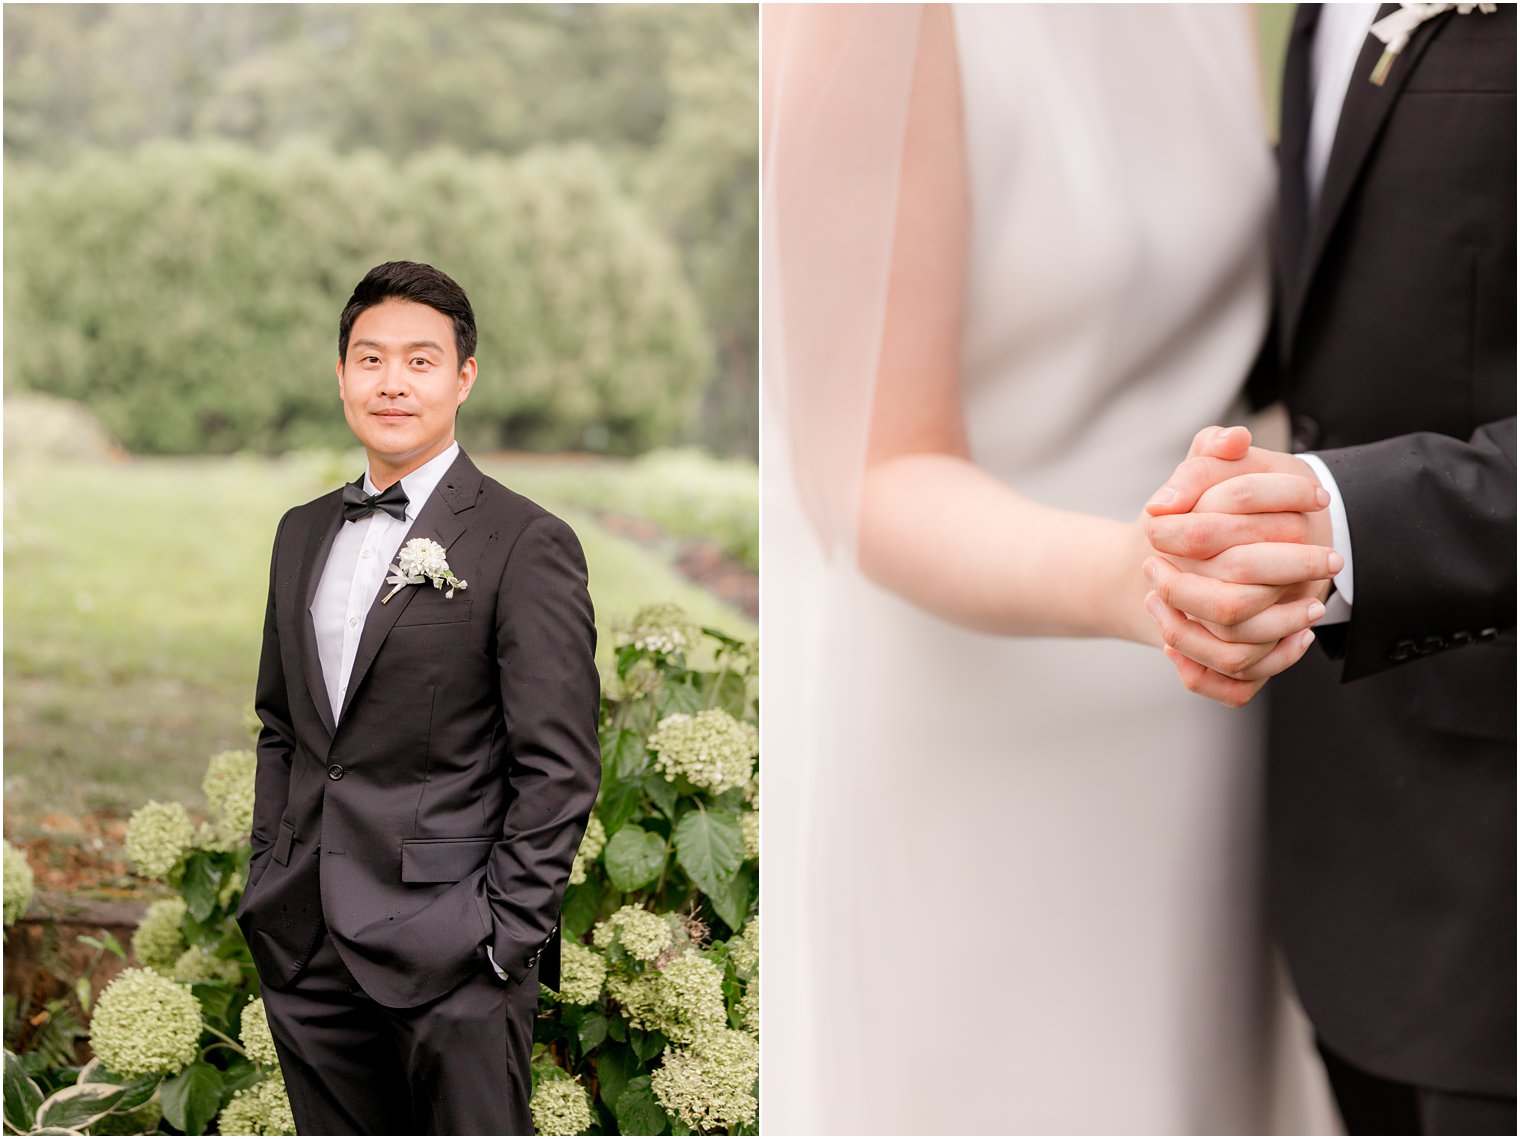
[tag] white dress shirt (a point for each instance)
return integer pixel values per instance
(1339, 37)
(357, 567)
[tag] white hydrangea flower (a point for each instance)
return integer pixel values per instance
(711, 1086)
(590, 849)
(195, 964)
(710, 749)
(749, 826)
(644, 935)
(663, 629)
(582, 972)
(744, 950)
(145, 1023)
(19, 883)
(263, 1109)
(560, 1107)
(258, 1042)
(689, 999)
(159, 835)
(157, 941)
(638, 997)
(228, 785)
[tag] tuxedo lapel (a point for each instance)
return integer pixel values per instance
(1363, 114)
(1292, 150)
(319, 542)
(442, 519)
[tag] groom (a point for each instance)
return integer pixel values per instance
(1391, 777)
(428, 757)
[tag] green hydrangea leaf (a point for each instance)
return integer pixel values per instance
(199, 886)
(620, 801)
(22, 1095)
(79, 1105)
(709, 847)
(136, 1092)
(648, 1045)
(593, 1030)
(634, 857)
(731, 901)
(638, 1112)
(681, 696)
(579, 909)
(191, 1098)
(662, 792)
(623, 753)
(614, 1068)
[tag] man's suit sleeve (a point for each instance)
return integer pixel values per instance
(276, 743)
(550, 695)
(1432, 521)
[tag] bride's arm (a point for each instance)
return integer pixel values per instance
(934, 527)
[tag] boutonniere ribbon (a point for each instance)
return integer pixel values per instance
(1395, 29)
(420, 560)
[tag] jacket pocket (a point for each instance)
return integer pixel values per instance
(425, 860)
(426, 610)
(282, 843)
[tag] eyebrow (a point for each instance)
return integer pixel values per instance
(367, 343)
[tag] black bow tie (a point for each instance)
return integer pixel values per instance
(357, 504)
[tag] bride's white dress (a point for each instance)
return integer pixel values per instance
(1012, 885)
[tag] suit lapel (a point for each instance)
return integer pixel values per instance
(442, 519)
(1363, 114)
(319, 542)
(1293, 148)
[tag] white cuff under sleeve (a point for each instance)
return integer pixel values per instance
(492, 958)
(1338, 607)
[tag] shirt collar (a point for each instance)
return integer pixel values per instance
(421, 482)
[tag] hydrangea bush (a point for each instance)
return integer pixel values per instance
(655, 1028)
(657, 1016)
(18, 882)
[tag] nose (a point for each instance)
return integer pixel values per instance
(394, 382)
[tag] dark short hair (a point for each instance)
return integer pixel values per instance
(411, 281)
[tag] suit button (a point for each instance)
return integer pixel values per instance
(1461, 637)
(1432, 644)
(1488, 634)
(335, 772)
(1306, 433)
(532, 961)
(1402, 651)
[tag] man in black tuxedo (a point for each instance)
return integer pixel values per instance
(1391, 775)
(428, 757)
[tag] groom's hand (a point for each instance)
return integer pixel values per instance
(1245, 537)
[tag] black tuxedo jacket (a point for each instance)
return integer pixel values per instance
(1392, 757)
(443, 811)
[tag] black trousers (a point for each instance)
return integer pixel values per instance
(1371, 1105)
(458, 1065)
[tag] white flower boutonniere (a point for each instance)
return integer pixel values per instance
(422, 559)
(1395, 29)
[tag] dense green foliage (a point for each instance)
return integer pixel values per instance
(190, 295)
(657, 1016)
(642, 117)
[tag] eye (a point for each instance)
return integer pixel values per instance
(421, 362)
(371, 359)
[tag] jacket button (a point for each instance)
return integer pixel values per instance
(532, 961)
(1461, 637)
(1432, 644)
(1488, 634)
(335, 772)
(1402, 651)
(1306, 433)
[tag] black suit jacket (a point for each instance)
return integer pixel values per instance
(444, 810)
(1392, 770)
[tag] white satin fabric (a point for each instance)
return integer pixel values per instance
(1011, 885)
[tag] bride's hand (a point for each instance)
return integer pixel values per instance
(1244, 574)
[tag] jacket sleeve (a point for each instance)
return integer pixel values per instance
(1432, 521)
(550, 696)
(276, 743)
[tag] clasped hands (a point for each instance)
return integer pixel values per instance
(1242, 563)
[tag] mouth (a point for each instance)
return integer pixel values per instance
(391, 413)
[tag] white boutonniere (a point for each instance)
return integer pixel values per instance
(1395, 29)
(420, 560)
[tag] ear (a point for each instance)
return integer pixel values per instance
(466, 379)
(340, 379)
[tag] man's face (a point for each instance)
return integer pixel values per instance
(401, 383)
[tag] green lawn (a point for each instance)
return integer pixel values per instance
(134, 596)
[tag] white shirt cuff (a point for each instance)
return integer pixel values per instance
(1338, 607)
(492, 958)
